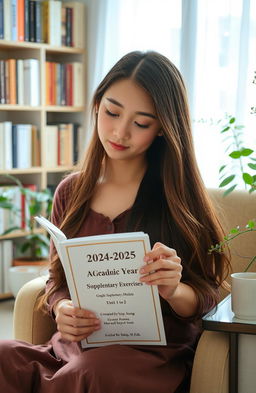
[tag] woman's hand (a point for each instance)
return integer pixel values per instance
(162, 268)
(74, 323)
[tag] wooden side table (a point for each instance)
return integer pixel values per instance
(222, 319)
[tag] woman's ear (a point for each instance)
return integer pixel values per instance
(160, 132)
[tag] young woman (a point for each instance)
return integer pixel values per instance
(139, 173)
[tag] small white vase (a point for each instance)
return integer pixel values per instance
(243, 295)
(20, 275)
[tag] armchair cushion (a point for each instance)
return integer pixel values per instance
(31, 324)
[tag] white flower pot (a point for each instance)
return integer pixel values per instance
(19, 275)
(243, 295)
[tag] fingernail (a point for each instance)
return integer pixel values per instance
(142, 270)
(146, 259)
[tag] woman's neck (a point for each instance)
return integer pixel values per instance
(122, 172)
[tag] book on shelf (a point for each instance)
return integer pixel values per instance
(102, 274)
(52, 22)
(6, 258)
(62, 141)
(78, 20)
(31, 82)
(1, 19)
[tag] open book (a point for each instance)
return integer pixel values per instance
(102, 274)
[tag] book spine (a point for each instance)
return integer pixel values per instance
(24, 146)
(14, 32)
(12, 80)
(1, 19)
(7, 145)
(7, 258)
(20, 82)
(63, 26)
(26, 20)
(7, 20)
(31, 20)
(38, 11)
(14, 146)
(20, 18)
(2, 82)
(68, 27)
(75, 143)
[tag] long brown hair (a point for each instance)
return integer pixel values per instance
(172, 204)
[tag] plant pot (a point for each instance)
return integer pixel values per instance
(243, 295)
(29, 262)
(20, 275)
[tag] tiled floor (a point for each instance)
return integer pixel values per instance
(6, 312)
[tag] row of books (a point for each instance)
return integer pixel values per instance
(51, 22)
(19, 82)
(62, 141)
(6, 258)
(64, 83)
(19, 146)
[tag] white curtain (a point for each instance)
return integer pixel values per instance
(213, 43)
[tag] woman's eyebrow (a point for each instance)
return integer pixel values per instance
(113, 101)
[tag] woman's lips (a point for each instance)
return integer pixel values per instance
(116, 146)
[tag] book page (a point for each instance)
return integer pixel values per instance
(103, 276)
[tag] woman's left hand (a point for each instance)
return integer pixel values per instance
(163, 268)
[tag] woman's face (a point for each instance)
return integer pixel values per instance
(127, 122)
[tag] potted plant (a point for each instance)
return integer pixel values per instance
(243, 284)
(34, 246)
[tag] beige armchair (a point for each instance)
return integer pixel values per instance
(210, 368)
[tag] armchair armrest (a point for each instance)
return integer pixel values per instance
(211, 364)
(31, 324)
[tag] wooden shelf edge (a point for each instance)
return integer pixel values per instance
(17, 234)
(7, 107)
(35, 45)
(16, 171)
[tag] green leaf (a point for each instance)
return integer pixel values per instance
(221, 168)
(252, 158)
(25, 247)
(235, 154)
(9, 230)
(232, 120)
(248, 179)
(227, 181)
(246, 152)
(229, 190)
(251, 224)
(234, 230)
(252, 166)
(225, 129)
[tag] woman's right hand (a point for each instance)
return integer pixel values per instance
(74, 324)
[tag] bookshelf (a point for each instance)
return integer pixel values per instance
(41, 115)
